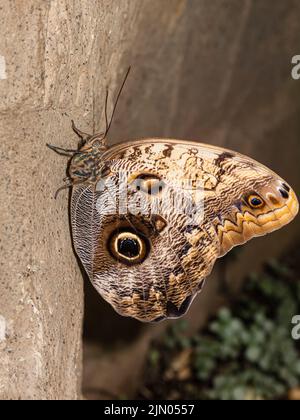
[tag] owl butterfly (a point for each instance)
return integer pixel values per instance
(150, 217)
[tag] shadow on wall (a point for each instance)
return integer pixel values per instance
(103, 325)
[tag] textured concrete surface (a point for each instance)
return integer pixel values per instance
(50, 57)
(213, 70)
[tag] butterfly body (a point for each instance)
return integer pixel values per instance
(150, 217)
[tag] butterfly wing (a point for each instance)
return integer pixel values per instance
(149, 231)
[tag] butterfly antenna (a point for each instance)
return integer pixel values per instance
(108, 125)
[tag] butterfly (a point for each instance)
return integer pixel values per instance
(151, 217)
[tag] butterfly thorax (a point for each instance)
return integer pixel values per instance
(86, 165)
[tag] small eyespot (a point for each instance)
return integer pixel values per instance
(149, 184)
(128, 247)
(255, 201)
(284, 193)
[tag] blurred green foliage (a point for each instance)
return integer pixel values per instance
(246, 351)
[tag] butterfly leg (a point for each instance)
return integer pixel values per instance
(89, 138)
(61, 151)
(67, 152)
(84, 136)
(67, 185)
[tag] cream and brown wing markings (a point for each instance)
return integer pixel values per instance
(149, 264)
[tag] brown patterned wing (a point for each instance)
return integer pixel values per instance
(149, 231)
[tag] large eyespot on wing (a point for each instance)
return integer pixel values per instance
(128, 246)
